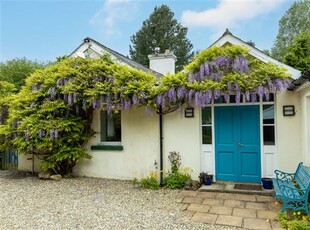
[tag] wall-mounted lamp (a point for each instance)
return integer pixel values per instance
(288, 110)
(189, 112)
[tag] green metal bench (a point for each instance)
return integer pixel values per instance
(294, 197)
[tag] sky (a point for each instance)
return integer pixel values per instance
(43, 30)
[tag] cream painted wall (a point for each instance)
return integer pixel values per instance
(305, 124)
(25, 163)
(288, 129)
(184, 136)
(140, 139)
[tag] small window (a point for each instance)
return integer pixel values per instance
(270, 99)
(110, 127)
(268, 125)
(206, 126)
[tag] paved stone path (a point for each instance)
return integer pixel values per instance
(239, 210)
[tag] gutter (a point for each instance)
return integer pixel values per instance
(305, 76)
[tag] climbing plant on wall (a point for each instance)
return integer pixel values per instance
(52, 114)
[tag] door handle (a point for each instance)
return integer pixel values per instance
(240, 145)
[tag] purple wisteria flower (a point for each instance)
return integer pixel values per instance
(218, 76)
(52, 92)
(238, 97)
(279, 84)
(260, 90)
(74, 97)
(240, 64)
(207, 69)
(217, 93)
(181, 92)
(52, 134)
(253, 97)
(229, 86)
(116, 96)
(41, 133)
(201, 72)
(227, 97)
(266, 94)
(27, 136)
(247, 96)
(126, 104)
(70, 99)
(135, 99)
(159, 99)
(171, 94)
(286, 82)
(191, 77)
(191, 94)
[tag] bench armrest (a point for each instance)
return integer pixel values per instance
(284, 176)
(292, 192)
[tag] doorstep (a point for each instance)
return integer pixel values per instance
(228, 187)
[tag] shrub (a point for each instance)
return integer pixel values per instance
(151, 181)
(177, 178)
(294, 220)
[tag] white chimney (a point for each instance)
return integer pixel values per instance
(162, 63)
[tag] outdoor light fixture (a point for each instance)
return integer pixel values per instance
(189, 112)
(288, 110)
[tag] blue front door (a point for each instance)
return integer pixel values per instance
(237, 143)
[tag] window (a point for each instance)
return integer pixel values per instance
(110, 127)
(268, 125)
(206, 126)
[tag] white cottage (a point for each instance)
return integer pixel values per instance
(242, 142)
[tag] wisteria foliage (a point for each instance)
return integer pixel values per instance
(52, 114)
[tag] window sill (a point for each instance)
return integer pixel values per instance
(107, 147)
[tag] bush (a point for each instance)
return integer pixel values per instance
(294, 220)
(177, 178)
(151, 181)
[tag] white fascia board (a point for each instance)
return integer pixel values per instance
(95, 48)
(256, 53)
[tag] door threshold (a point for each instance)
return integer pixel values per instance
(229, 187)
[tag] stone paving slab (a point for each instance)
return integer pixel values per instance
(221, 210)
(254, 205)
(245, 212)
(234, 203)
(239, 210)
(204, 217)
(194, 200)
(199, 207)
(255, 223)
(216, 202)
(267, 214)
(229, 220)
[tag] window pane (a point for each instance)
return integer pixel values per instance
(206, 116)
(269, 135)
(232, 99)
(110, 126)
(206, 135)
(271, 98)
(268, 114)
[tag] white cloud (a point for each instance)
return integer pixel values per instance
(112, 12)
(228, 13)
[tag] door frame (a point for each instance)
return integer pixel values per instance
(268, 153)
(238, 116)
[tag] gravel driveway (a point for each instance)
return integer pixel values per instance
(88, 203)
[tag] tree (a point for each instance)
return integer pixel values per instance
(163, 31)
(298, 52)
(17, 70)
(295, 21)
